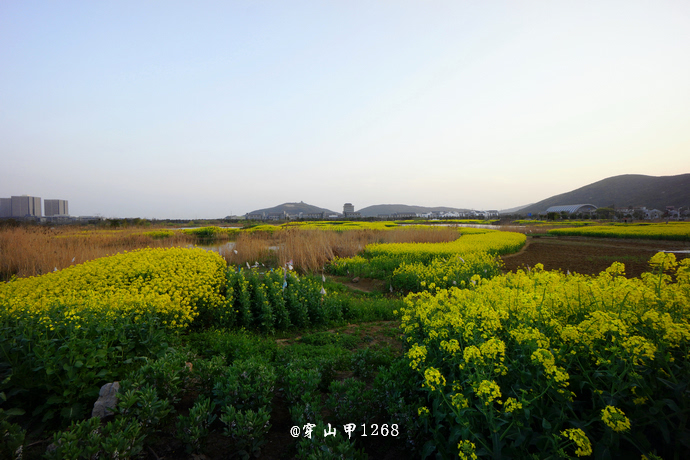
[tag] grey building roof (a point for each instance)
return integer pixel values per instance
(572, 208)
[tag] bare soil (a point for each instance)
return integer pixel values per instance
(590, 256)
(361, 284)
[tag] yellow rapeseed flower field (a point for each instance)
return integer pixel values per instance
(679, 231)
(174, 284)
(472, 240)
(559, 348)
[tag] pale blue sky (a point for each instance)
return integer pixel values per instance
(203, 109)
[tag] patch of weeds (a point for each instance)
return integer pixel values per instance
(235, 345)
(392, 332)
(350, 401)
(246, 385)
(327, 359)
(372, 309)
(310, 354)
(366, 362)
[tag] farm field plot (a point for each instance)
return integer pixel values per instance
(590, 256)
(678, 231)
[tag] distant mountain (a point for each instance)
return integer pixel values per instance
(622, 191)
(294, 208)
(514, 210)
(375, 210)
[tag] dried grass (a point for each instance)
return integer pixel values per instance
(30, 251)
(311, 249)
(249, 248)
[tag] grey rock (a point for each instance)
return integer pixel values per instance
(107, 399)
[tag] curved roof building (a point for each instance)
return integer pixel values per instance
(572, 208)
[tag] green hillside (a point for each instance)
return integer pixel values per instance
(625, 190)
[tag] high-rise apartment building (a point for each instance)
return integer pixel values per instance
(5, 207)
(348, 207)
(23, 206)
(55, 207)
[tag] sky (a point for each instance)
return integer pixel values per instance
(179, 109)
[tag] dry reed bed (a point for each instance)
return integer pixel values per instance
(31, 251)
(311, 249)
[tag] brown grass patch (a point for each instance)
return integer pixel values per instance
(35, 250)
(30, 251)
(311, 249)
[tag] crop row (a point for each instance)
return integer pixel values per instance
(277, 300)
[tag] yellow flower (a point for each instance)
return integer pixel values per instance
(423, 411)
(434, 378)
(471, 353)
(488, 390)
(466, 450)
(459, 401)
(417, 355)
(511, 405)
(584, 447)
(615, 419)
(451, 346)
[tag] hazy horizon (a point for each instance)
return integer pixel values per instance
(208, 109)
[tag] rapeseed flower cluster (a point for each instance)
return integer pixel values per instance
(511, 405)
(417, 355)
(576, 435)
(434, 379)
(446, 272)
(489, 391)
(467, 450)
(530, 337)
(615, 419)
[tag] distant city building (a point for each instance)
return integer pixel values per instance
(404, 215)
(55, 207)
(349, 211)
(277, 215)
(5, 207)
(255, 216)
(26, 206)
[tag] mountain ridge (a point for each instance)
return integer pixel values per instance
(652, 192)
(293, 208)
(375, 210)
